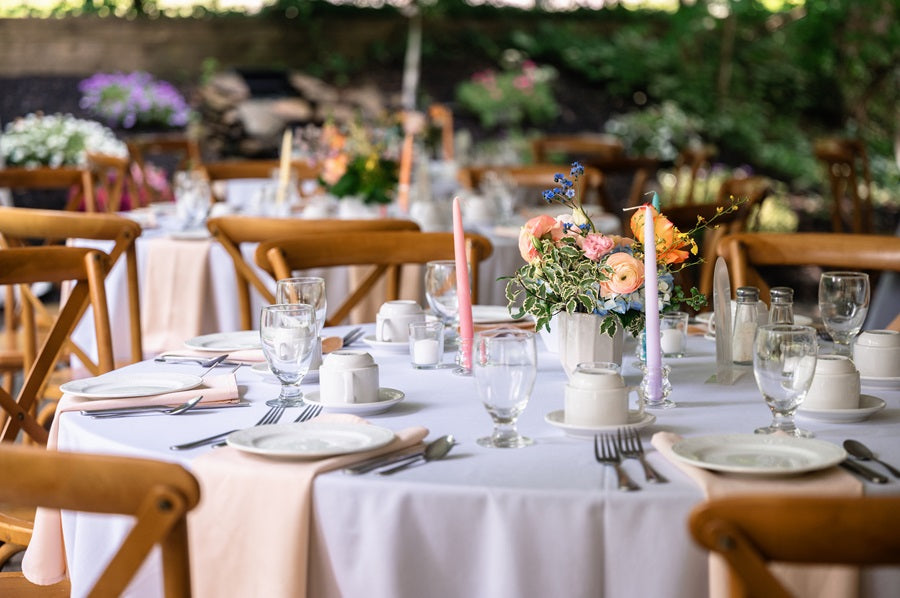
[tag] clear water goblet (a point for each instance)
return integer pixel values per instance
(193, 198)
(843, 303)
(440, 292)
(504, 363)
(304, 289)
(784, 361)
(288, 336)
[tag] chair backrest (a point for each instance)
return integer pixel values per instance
(157, 494)
(383, 250)
(227, 170)
(77, 181)
(232, 231)
(537, 177)
(846, 167)
(20, 224)
(564, 148)
(689, 164)
(111, 178)
(745, 252)
(170, 152)
(28, 265)
(751, 531)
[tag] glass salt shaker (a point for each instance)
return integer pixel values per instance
(782, 305)
(746, 318)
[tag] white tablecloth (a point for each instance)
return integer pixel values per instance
(545, 520)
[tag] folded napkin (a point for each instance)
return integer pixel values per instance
(818, 581)
(174, 292)
(249, 535)
(44, 562)
(248, 356)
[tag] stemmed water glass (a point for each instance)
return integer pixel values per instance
(440, 291)
(843, 303)
(288, 335)
(784, 361)
(304, 289)
(504, 362)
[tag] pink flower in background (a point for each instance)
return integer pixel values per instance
(596, 245)
(627, 275)
(538, 227)
(523, 83)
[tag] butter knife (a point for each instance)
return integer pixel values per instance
(863, 471)
(384, 460)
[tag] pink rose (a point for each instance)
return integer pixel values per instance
(538, 227)
(627, 275)
(596, 245)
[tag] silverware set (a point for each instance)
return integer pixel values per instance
(271, 417)
(863, 453)
(626, 444)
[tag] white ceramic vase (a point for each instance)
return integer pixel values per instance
(581, 340)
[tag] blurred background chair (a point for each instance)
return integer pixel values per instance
(75, 183)
(111, 178)
(750, 532)
(384, 251)
(263, 170)
(170, 153)
(846, 167)
(158, 495)
(233, 232)
(534, 179)
(690, 165)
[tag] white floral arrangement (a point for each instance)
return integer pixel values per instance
(56, 140)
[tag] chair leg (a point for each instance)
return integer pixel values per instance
(7, 551)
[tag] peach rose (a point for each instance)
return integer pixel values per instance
(672, 246)
(333, 168)
(596, 245)
(627, 275)
(538, 227)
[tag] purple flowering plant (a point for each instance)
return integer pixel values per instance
(135, 99)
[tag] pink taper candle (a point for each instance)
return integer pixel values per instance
(651, 309)
(463, 294)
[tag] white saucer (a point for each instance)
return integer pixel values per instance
(373, 342)
(867, 406)
(387, 398)
(557, 419)
(262, 369)
(880, 382)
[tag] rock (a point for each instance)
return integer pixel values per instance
(314, 90)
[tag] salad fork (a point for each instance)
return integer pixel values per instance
(609, 455)
(628, 441)
(271, 417)
(309, 412)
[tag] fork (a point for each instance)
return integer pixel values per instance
(609, 455)
(271, 417)
(309, 412)
(630, 446)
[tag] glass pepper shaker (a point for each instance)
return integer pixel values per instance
(781, 310)
(746, 318)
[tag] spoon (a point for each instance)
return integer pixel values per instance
(861, 451)
(127, 411)
(435, 450)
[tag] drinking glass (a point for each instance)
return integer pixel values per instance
(844, 303)
(288, 335)
(504, 362)
(193, 198)
(440, 291)
(304, 289)
(784, 361)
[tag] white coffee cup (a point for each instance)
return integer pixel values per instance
(393, 320)
(348, 376)
(835, 384)
(596, 395)
(876, 353)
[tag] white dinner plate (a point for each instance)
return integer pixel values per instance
(263, 370)
(880, 382)
(116, 385)
(635, 420)
(489, 314)
(387, 398)
(200, 234)
(309, 440)
(867, 406)
(373, 342)
(223, 342)
(757, 454)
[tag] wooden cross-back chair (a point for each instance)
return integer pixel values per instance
(752, 531)
(690, 189)
(111, 177)
(385, 251)
(77, 181)
(233, 231)
(170, 152)
(846, 167)
(746, 252)
(157, 494)
(227, 170)
(19, 225)
(537, 177)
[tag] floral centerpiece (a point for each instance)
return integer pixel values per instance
(56, 140)
(573, 268)
(134, 100)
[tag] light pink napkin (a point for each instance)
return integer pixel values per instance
(813, 581)
(174, 293)
(249, 535)
(44, 562)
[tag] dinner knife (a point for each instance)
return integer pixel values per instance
(863, 471)
(383, 461)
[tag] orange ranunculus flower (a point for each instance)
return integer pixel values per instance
(538, 227)
(333, 168)
(627, 275)
(672, 246)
